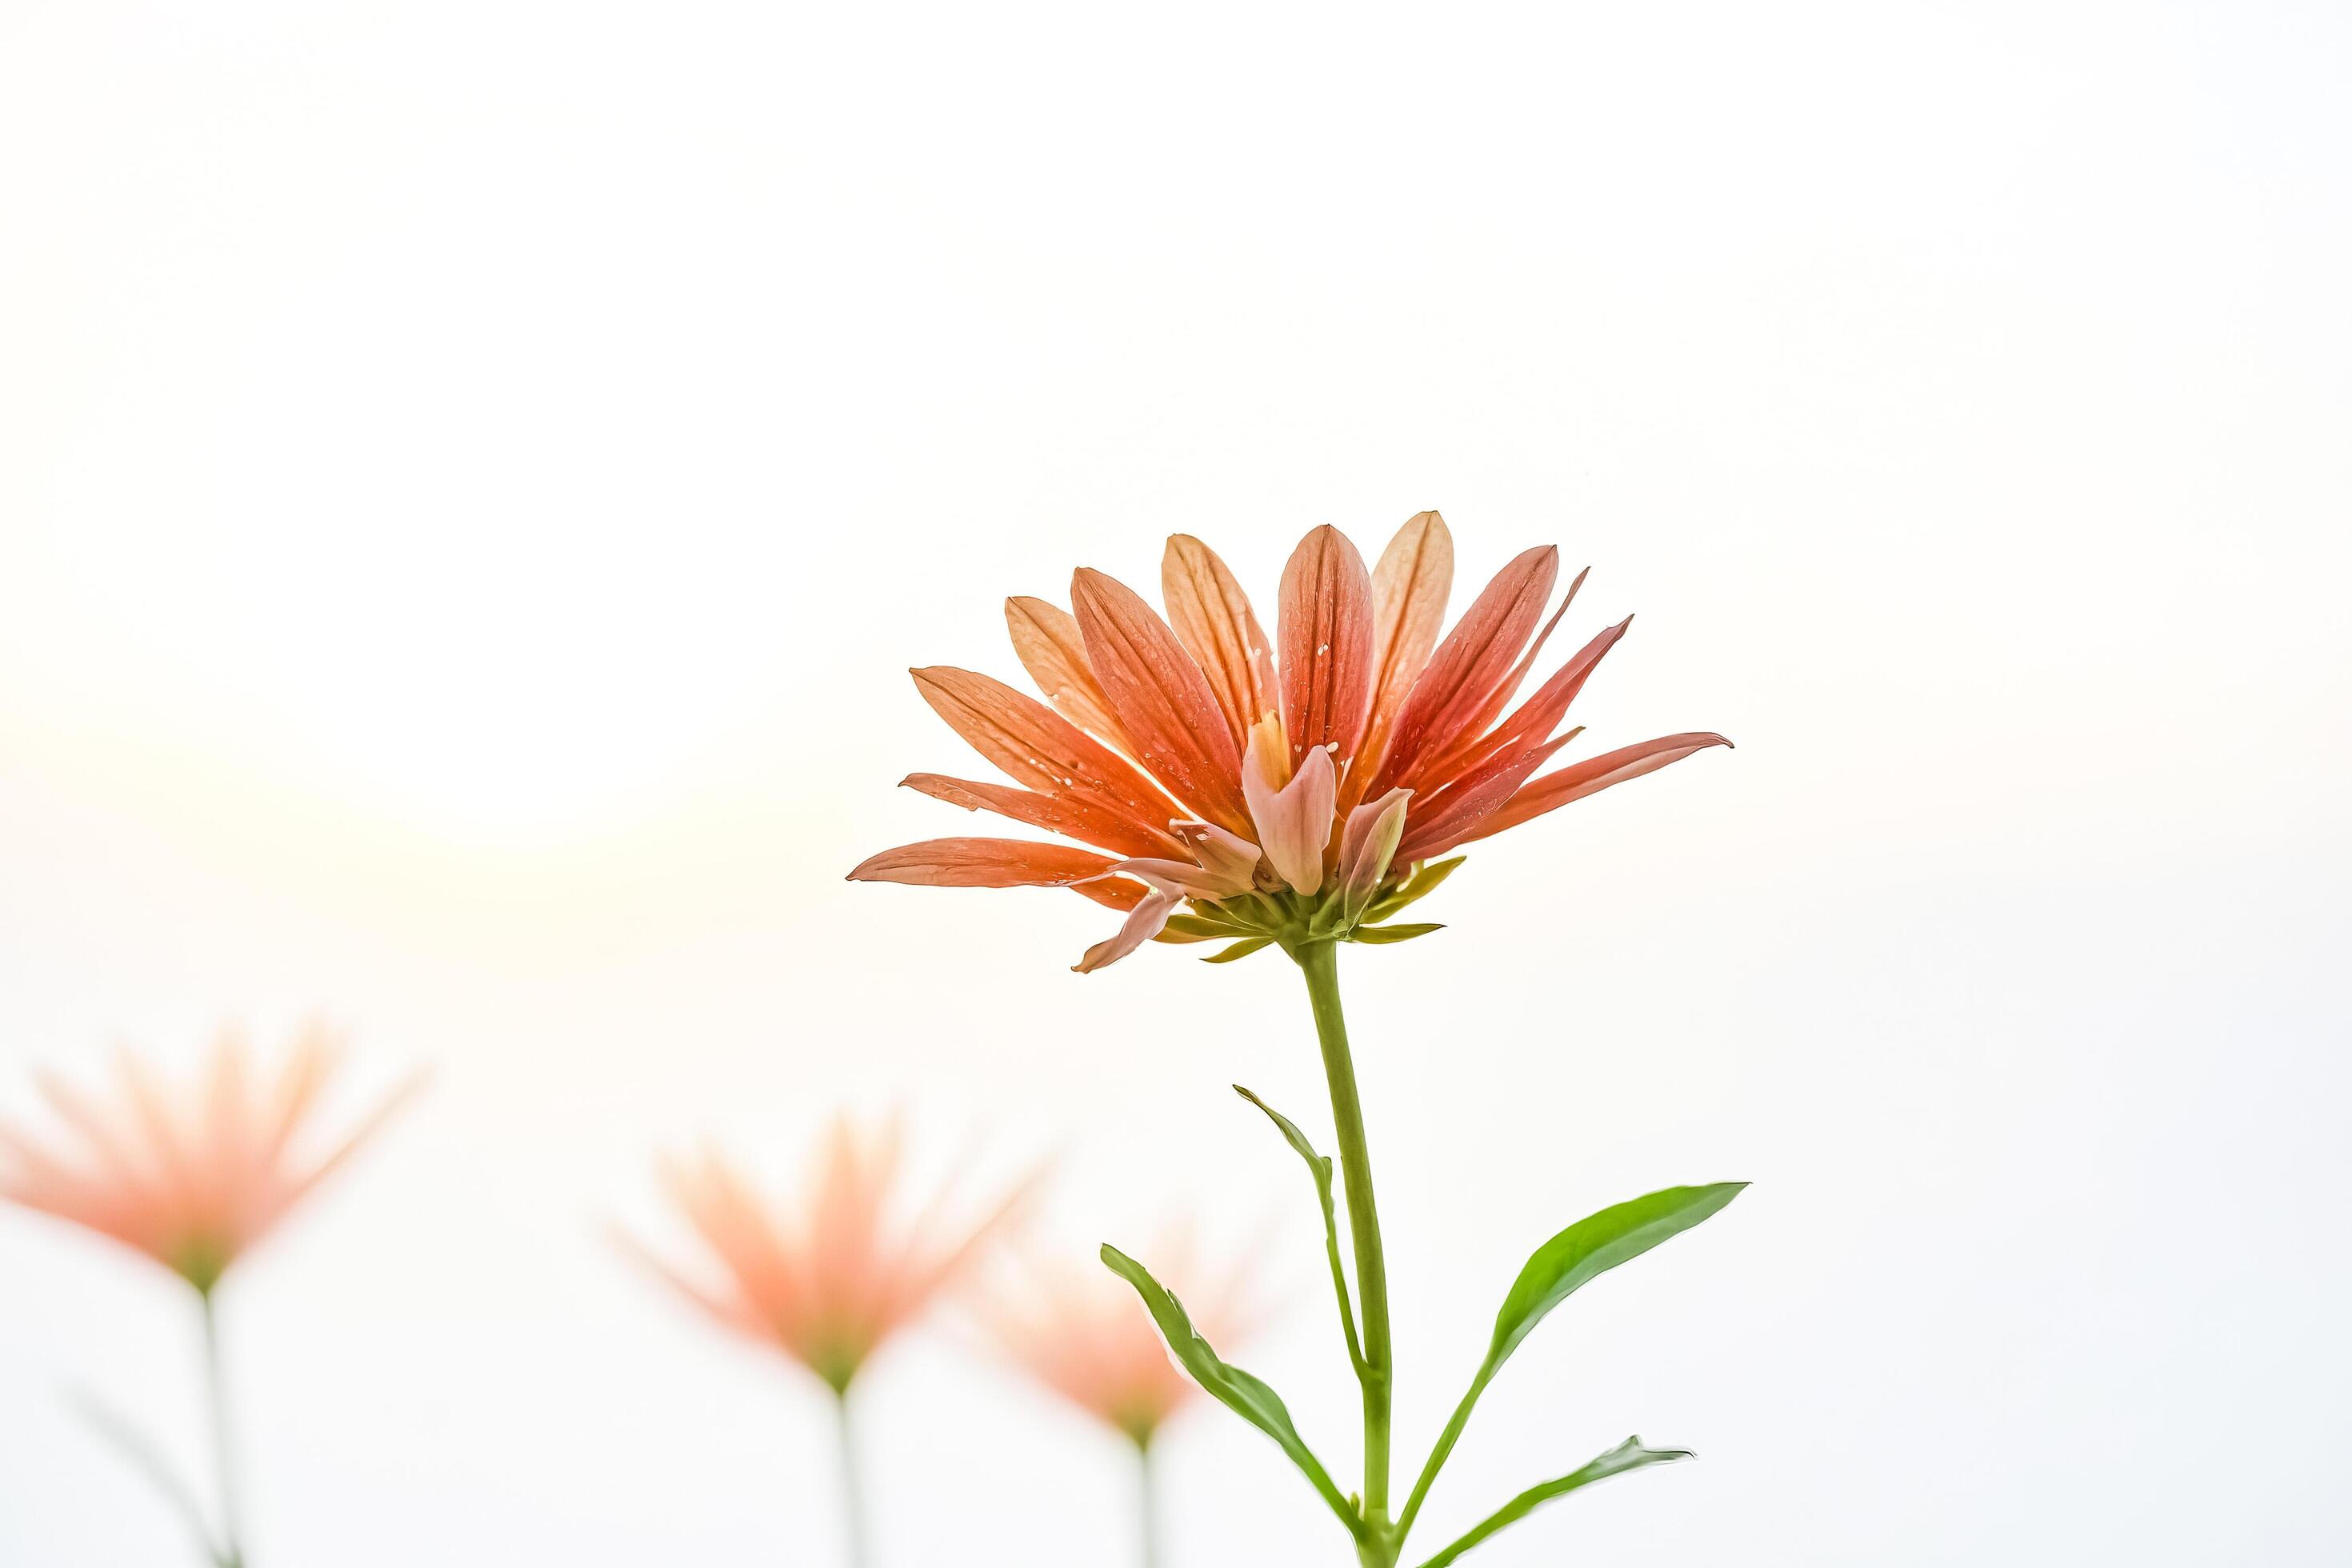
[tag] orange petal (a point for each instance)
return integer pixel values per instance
(981, 863)
(1454, 812)
(1212, 617)
(1037, 747)
(1160, 699)
(1046, 639)
(1409, 587)
(1471, 663)
(1556, 790)
(1141, 925)
(1076, 818)
(1535, 719)
(1327, 646)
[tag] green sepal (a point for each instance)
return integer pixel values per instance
(1247, 1396)
(1419, 885)
(1239, 950)
(1203, 928)
(1384, 935)
(1626, 1455)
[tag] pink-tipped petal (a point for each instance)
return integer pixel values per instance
(1226, 856)
(1590, 777)
(1327, 646)
(1368, 844)
(1141, 926)
(1161, 697)
(981, 863)
(1293, 819)
(1212, 617)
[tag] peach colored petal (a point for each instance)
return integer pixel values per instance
(1368, 846)
(1212, 617)
(1111, 892)
(1293, 819)
(1071, 816)
(1161, 699)
(1474, 658)
(1454, 811)
(1047, 641)
(1536, 719)
(1326, 625)
(1228, 856)
(1037, 747)
(1409, 587)
(1143, 924)
(981, 863)
(1556, 790)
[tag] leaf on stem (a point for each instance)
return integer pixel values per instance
(1319, 1166)
(1589, 1248)
(1245, 1396)
(1626, 1455)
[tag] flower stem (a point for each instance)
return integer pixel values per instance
(1319, 961)
(1147, 1494)
(852, 1502)
(232, 1552)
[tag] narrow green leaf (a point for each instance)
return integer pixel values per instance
(1626, 1455)
(1239, 950)
(1203, 928)
(1393, 933)
(1319, 1166)
(1237, 1390)
(1591, 1248)
(1419, 885)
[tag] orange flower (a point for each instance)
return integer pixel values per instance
(191, 1176)
(829, 1287)
(1083, 1334)
(1290, 789)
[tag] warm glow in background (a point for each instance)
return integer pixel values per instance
(472, 476)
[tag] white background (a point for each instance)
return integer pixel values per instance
(472, 476)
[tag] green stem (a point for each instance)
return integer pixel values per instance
(1319, 961)
(232, 1552)
(853, 1501)
(1438, 1455)
(1148, 1493)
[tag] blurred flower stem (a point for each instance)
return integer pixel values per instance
(1147, 1481)
(232, 1550)
(1319, 961)
(853, 1501)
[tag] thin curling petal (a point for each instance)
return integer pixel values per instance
(1141, 926)
(1226, 855)
(1327, 646)
(1212, 617)
(981, 863)
(1534, 719)
(1161, 697)
(1590, 777)
(1368, 846)
(1047, 640)
(1293, 819)
(1474, 658)
(1409, 587)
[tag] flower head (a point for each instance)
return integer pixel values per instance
(1083, 1334)
(192, 1176)
(829, 1284)
(1271, 790)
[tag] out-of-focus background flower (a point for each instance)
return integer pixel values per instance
(472, 476)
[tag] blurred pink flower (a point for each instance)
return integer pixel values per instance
(1082, 1333)
(193, 1175)
(830, 1284)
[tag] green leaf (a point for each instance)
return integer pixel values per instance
(1239, 950)
(1319, 1166)
(1592, 1247)
(1626, 1455)
(1393, 933)
(1237, 1390)
(1203, 928)
(1419, 885)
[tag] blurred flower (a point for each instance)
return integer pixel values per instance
(1083, 1334)
(193, 1175)
(1290, 789)
(829, 1285)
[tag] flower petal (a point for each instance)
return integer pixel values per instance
(981, 863)
(1227, 857)
(1590, 777)
(1410, 587)
(1293, 819)
(1160, 699)
(1327, 646)
(1535, 719)
(1046, 639)
(1474, 660)
(1037, 747)
(1454, 811)
(1212, 617)
(1437, 763)
(1078, 818)
(1368, 846)
(1140, 927)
